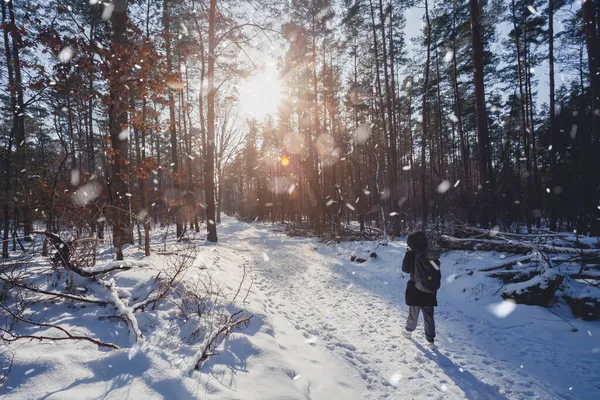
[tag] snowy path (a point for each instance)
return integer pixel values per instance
(323, 328)
(357, 314)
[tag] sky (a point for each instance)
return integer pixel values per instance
(414, 23)
(260, 94)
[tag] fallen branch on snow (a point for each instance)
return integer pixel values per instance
(14, 337)
(55, 294)
(209, 344)
(64, 252)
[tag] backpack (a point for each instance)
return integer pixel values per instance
(427, 273)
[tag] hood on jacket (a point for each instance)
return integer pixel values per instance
(417, 241)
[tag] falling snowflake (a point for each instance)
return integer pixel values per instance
(448, 56)
(350, 206)
(184, 29)
(123, 135)
(108, 11)
(393, 214)
(573, 132)
(291, 188)
(453, 117)
(87, 193)
(395, 378)
(362, 134)
(329, 202)
(133, 352)
(494, 231)
(65, 55)
(75, 177)
(444, 186)
(532, 10)
(406, 168)
(457, 183)
(265, 256)
(503, 309)
(141, 216)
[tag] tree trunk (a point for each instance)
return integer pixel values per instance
(210, 142)
(172, 127)
(146, 211)
(7, 165)
(20, 158)
(392, 150)
(524, 128)
(383, 137)
(118, 122)
(552, 128)
(592, 41)
(425, 123)
(485, 176)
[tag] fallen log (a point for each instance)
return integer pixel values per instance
(515, 276)
(509, 264)
(538, 291)
(586, 308)
(464, 231)
(509, 246)
(588, 276)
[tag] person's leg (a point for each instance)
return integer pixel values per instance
(413, 318)
(429, 323)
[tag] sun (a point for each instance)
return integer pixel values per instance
(259, 95)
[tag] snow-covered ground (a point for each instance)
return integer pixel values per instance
(323, 328)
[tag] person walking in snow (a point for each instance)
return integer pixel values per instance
(421, 289)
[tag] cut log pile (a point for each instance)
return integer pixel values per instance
(543, 268)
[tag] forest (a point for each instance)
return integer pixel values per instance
(214, 197)
(121, 113)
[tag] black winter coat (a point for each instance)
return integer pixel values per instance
(415, 297)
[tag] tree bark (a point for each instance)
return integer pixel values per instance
(592, 41)
(485, 177)
(210, 142)
(118, 122)
(172, 125)
(524, 128)
(425, 124)
(20, 157)
(392, 150)
(553, 135)
(7, 165)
